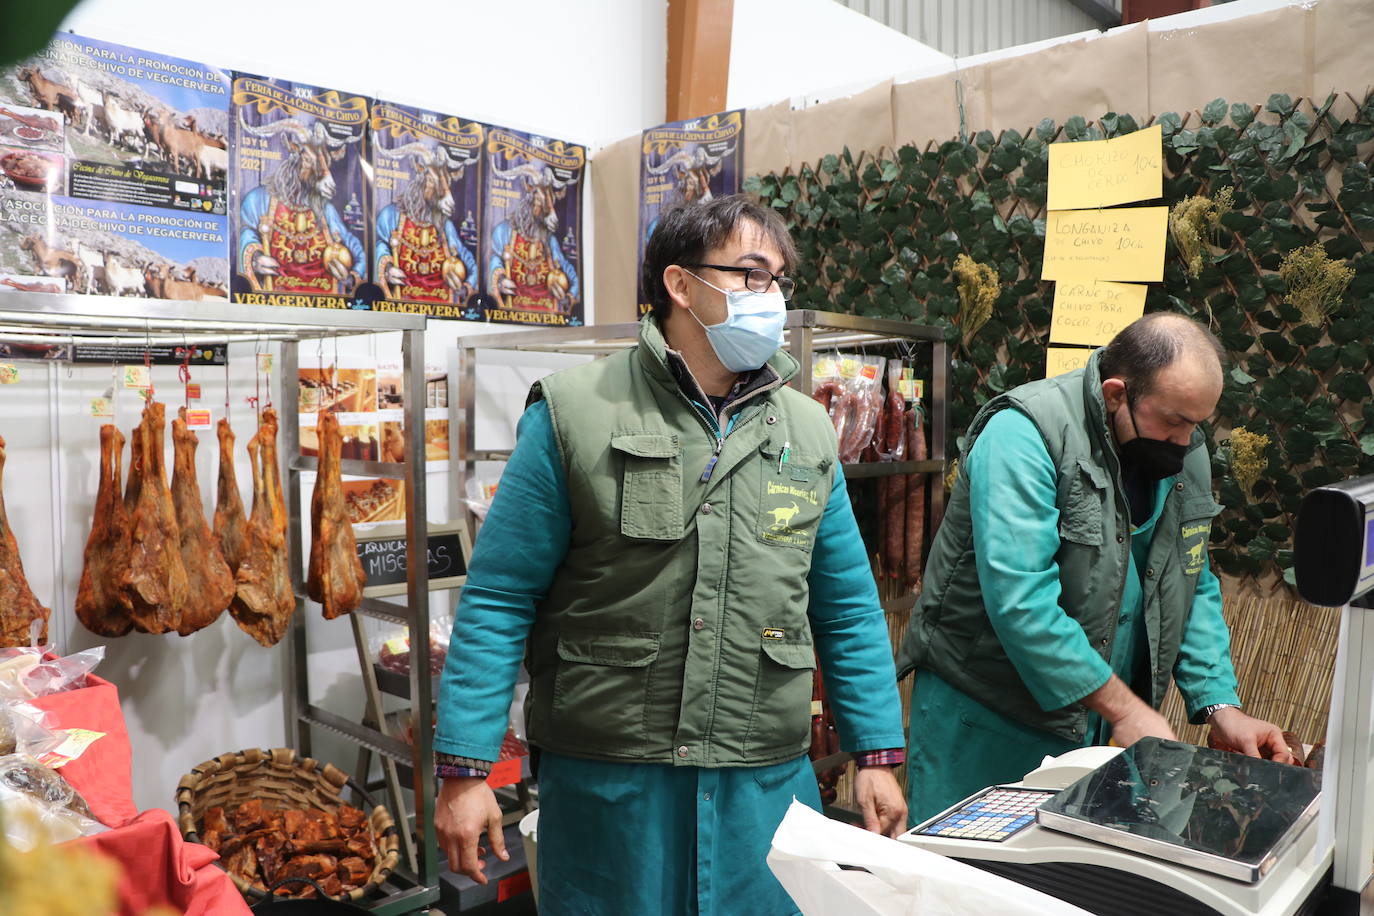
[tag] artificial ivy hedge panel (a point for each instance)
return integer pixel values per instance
(1251, 189)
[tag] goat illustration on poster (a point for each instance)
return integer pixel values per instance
(682, 163)
(301, 222)
(426, 193)
(532, 251)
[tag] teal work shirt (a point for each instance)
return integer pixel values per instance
(959, 745)
(524, 539)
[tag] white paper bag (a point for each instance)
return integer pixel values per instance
(902, 880)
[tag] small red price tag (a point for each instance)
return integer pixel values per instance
(193, 392)
(198, 418)
(513, 886)
(504, 772)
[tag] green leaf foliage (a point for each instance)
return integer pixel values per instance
(878, 236)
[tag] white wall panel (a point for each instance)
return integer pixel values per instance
(965, 27)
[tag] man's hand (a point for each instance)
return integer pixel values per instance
(1252, 737)
(1130, 717)
(881, 800)
(466, 807)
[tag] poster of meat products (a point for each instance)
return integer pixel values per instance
(61, 244)
(532, 231)
(116, 124)
(300, 222)
(427, 184)
(684, 162)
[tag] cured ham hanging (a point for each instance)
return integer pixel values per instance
(231, 525)
(18, 606)
(210, 583)
(264, 600)
(336, 576)
(154, 581)
(100, 606)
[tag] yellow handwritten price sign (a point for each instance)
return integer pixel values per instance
(1125, 244)
(1093, 311)
(1059, 360)
(1103, 173)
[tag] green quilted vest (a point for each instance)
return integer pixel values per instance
(950, 633)
(676, 628)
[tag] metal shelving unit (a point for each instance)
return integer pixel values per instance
(807, 332)
(79, 319)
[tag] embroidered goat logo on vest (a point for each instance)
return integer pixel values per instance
(782, 517)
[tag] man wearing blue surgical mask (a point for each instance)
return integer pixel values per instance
(1068, 582)
(671, 549)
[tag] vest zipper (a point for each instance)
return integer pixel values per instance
(715, 456)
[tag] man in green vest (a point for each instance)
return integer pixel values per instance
(1069, 579)
(671, 549)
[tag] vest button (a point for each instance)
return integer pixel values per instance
(1104, 642)
(1149, 573)
(771, 420)
(699, 624)
(705, 508)
(1121, 538)
(1179, 486)
(682, 751)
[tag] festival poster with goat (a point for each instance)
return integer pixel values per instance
(532, 231)
(135, 127)
(71, 245)
(426, 194)
(683, 162)
(117, 134)
(300, 221)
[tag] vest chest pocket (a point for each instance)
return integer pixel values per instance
(651, 486)
(781, 714)
(1194, 531)
(792, 497)
(1080, 505)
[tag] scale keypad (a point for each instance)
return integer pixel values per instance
(993, 817)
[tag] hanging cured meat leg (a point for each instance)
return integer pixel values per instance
(210, 583)
(336, 576)
(231, 525)
(18, 606)
(154, 583)
(99, 606)
(264, 601)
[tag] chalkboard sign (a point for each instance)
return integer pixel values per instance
(384, 561)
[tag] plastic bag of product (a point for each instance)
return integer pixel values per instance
(23, 730)
(66, 673)
(15, 665)
(481, 490)
(392, 646)
(864, 402)
(38, 805)
(825, 379)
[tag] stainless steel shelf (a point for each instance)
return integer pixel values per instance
(102, 317)
(351, 466)
(370, 738)
(888, 468)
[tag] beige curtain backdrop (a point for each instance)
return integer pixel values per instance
(1305, 51)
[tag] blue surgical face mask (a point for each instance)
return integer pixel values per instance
(751, 331)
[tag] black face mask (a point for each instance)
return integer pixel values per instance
(1154, 459)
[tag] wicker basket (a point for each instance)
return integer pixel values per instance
(281, 779)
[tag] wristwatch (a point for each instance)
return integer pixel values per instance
(1209, 711)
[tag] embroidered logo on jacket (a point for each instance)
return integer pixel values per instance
(1194, 553)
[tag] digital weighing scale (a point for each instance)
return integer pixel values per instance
(1166, 827)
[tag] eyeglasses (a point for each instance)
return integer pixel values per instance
(756, 279)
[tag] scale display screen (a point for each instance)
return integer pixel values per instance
(1224, 813)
